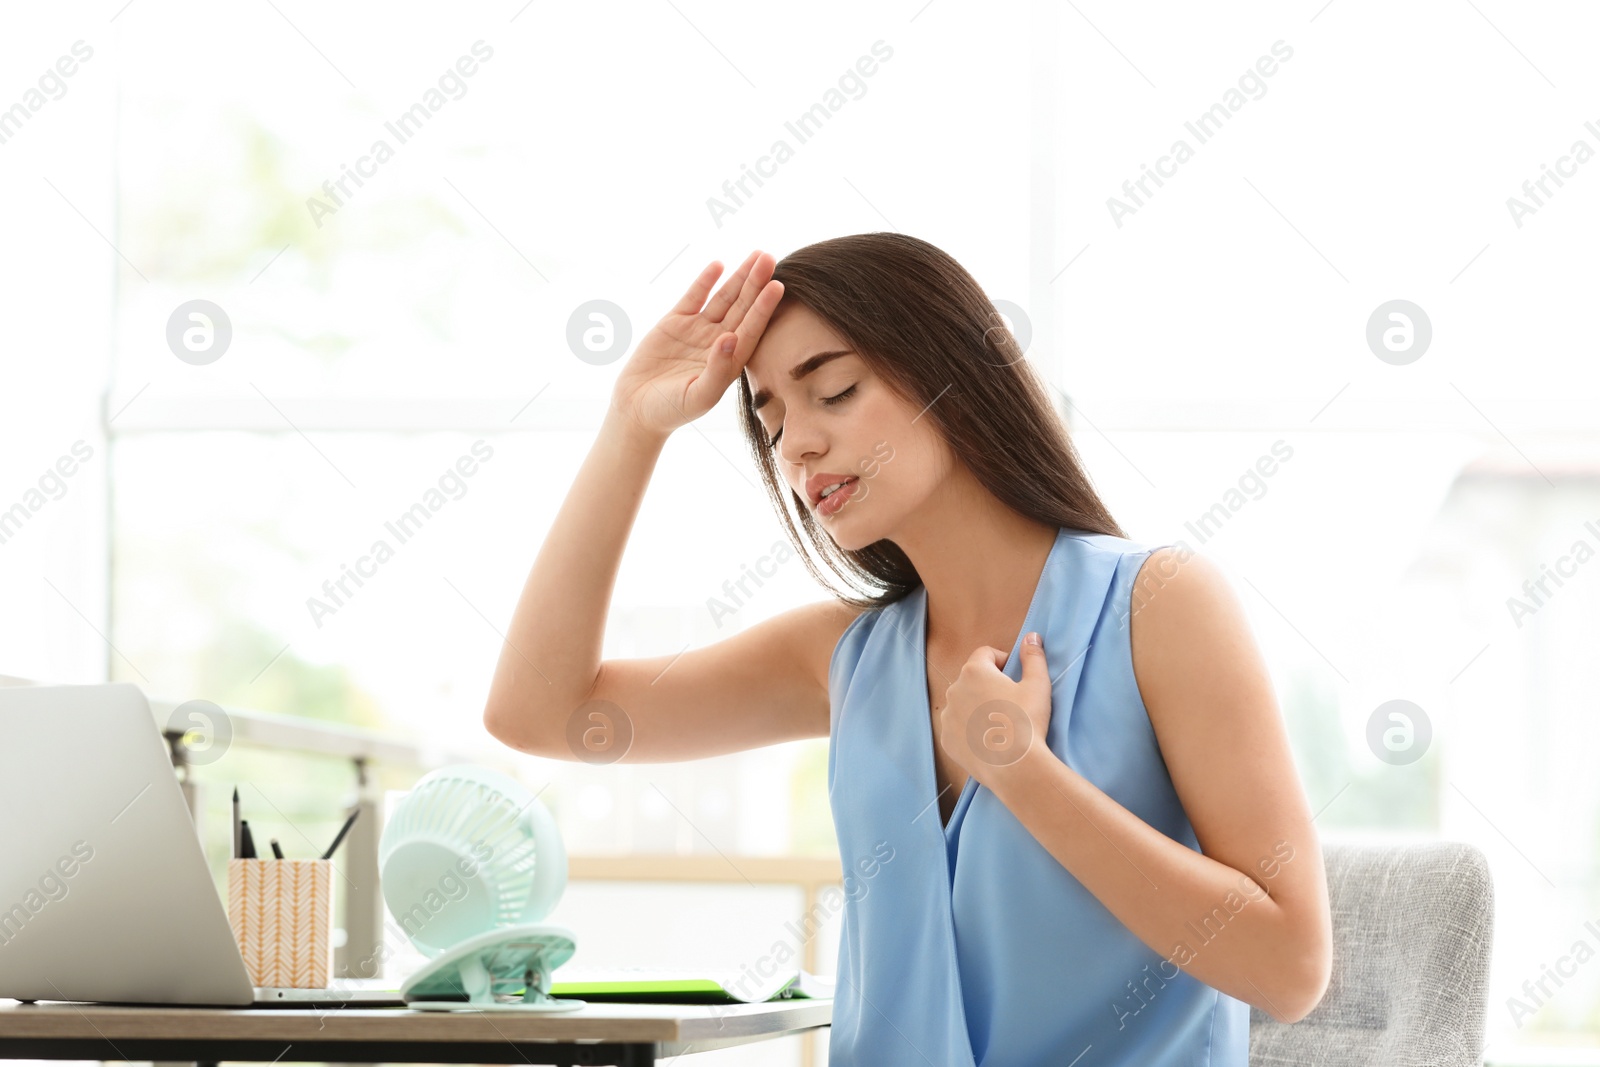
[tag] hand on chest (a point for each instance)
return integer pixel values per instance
(983, 723)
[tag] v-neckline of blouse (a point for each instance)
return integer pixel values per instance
(920, 642)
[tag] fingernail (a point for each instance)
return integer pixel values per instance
(1032, 638)
(727, 345)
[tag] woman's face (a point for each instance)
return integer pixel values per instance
(838, 421)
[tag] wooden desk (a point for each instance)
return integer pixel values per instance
(628, 1035)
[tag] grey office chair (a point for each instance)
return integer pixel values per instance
(1411, 936)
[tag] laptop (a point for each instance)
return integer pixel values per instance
(105, 894)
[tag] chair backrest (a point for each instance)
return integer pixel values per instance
(1412, 927)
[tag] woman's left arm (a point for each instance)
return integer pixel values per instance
(1248, 914)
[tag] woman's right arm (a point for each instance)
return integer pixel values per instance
(758, 687)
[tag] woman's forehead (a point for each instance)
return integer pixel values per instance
(793, 334)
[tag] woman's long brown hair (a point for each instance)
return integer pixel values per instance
(924, 325)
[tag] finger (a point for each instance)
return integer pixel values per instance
(721, 368)
(986, 656)
(730, 290)
(728, 295)
(760, 274)
(1035, 669)
(694, 297)
(754, 322)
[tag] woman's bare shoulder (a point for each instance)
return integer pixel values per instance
(816, 629)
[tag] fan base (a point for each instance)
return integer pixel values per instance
(508, 961)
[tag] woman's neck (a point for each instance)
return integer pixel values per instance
(980, 569)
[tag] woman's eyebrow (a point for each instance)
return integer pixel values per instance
(801, 369)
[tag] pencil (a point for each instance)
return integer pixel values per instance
(342, 831)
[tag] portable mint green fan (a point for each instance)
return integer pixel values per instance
(470, 862)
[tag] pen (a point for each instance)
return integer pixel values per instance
(342, 831)
(247, 844)
(237, 843)
(277, 853)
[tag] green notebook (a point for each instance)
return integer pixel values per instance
(686, 985)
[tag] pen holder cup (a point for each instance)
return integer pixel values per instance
(281, 912)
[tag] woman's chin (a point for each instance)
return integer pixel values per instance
(850, 536)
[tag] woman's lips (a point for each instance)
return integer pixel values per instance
(835, 500)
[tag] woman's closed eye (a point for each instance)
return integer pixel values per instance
(829, 400)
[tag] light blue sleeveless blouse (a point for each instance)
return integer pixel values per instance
(971, 944)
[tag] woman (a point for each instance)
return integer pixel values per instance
(1124, 861)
